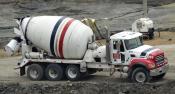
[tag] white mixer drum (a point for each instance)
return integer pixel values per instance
(61, 36)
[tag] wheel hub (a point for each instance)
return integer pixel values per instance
(72, 73)
(53, 73)
(34, 73)
(140, 77)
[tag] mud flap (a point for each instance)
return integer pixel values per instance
(83, 67)
(22, 71)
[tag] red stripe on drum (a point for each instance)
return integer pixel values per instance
(63, 33)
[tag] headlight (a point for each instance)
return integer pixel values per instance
(151, 65)
(150, 57)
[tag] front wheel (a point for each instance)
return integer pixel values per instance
(140, 75)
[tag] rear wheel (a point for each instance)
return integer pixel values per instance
(73, 72)
(54, 72)
(151, 34)
(140, 75)
(35, 72)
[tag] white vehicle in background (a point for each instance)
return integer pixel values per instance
(144, 26)
(56, 47)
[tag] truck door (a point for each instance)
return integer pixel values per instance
(115, 52)
(122, 52)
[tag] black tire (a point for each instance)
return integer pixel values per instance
(73, 72)
(35, 72)
(140, 75)
(151, 33)
(151, 36)
(159, 77)
(54, 72)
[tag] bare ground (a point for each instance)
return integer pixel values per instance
(162, 38)
(99, 83)
(87, 88)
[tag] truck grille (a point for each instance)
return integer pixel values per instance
(159, 59)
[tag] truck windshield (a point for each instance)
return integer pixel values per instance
(133, 43)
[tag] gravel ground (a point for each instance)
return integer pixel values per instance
(99, 83)
(87, 88)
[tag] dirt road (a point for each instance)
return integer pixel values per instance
(8, 73)
(100, 83)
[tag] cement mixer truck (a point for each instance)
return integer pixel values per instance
(59, 47)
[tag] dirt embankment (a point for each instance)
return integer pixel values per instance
(87, 88)
(151, 2)
(122, 13)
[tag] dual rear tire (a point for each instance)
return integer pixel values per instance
(53, 72)
(35, 72)
(73, 72)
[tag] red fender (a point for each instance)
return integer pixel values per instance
(142, 61)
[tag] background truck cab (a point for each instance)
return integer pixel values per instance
(144, 26)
